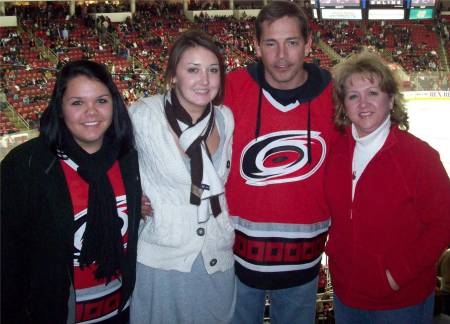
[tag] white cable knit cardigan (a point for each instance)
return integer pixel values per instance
(172, 238)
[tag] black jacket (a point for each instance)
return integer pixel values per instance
(37, 234)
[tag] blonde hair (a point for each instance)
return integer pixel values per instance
(370, 66)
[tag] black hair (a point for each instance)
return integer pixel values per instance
(52, 123)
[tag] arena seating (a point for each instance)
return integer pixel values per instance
(136, 50)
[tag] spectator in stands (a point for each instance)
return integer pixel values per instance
(185, 270)
(65, 33)
(389, 201)
(70, 205)
(283, 111)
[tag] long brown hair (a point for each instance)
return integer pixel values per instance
(189, 39)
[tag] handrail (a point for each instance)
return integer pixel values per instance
(16, 116)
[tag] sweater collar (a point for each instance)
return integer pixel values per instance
(390, 141)
(374, 139)
(318, 79)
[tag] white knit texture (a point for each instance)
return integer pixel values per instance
(169, 239)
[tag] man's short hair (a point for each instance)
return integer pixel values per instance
(279, 9)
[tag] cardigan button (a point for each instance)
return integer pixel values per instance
(200, 231)
(213, 262)
(228, 164)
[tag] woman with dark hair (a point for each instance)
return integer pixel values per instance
(389, 200)
(185, 270)
(70, 205)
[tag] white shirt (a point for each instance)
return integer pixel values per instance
(366, 148)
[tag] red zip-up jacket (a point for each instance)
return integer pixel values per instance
(398, 220)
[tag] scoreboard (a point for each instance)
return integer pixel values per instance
(341, 9)
(421, 9)
(386, 9)
(373, 9)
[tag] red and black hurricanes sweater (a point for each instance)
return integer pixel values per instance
(274, 191)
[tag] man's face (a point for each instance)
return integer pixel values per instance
(282, 49)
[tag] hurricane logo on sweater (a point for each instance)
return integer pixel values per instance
(80, 225)
(281, 157)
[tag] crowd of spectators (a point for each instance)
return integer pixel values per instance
(105, 7)
(413, 45)
(245, 4)
(136, 49)
(10, 48)
(224, 4)
(208, 5)
(343, 36)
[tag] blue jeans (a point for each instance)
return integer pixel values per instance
(287, 306)
(418, 314)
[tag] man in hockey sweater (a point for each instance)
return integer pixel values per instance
(283, 113)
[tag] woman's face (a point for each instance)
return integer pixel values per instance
(366, 105)
(197, 78)
(87, 111)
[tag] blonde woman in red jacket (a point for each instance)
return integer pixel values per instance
(389, 199)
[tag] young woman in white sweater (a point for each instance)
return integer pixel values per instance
(185, 270)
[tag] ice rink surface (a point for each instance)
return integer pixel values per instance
(430, 121)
